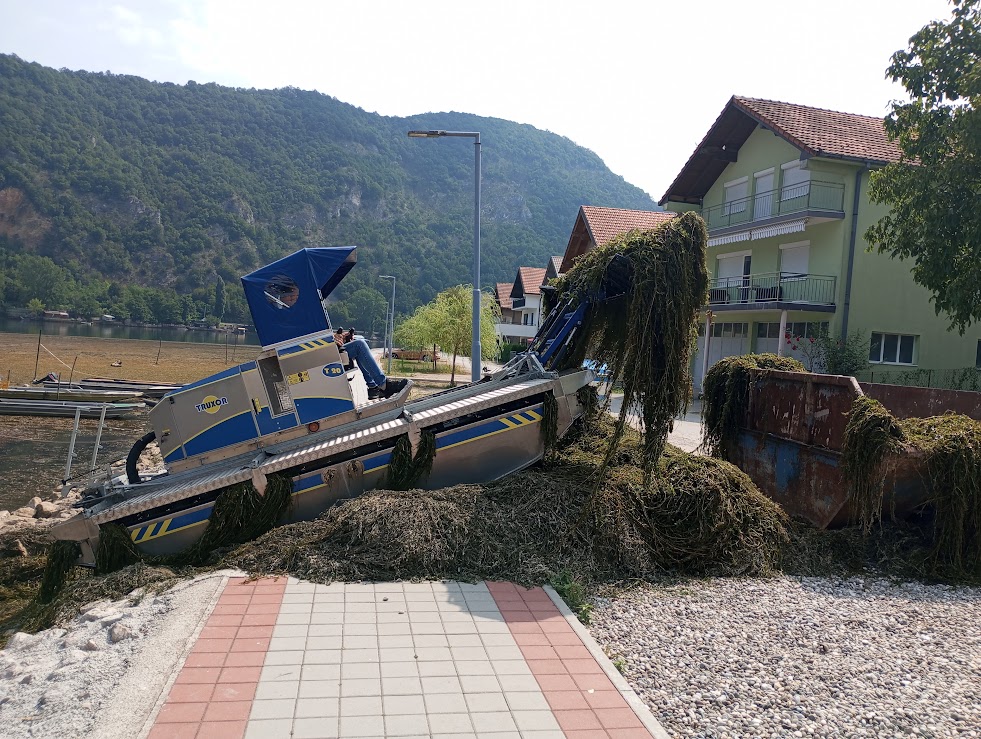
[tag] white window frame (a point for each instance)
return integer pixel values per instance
(795, 245)
(899, 341)
(795, 164)
(735, 205)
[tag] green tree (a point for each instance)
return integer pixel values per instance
(35, 307)
(934, 191)
(447, 322)
(219, 298)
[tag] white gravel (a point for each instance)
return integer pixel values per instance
(103, 674)
(800, 657)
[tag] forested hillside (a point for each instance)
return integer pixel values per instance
(123, 195)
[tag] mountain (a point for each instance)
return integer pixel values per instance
(134, 197)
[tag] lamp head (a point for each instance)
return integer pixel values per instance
(426, 134)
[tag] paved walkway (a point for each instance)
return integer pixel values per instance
(285, 658)
(687, 432)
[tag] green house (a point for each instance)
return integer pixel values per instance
(784, 191)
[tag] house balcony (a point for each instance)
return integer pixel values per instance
(517, 303)
(775, 212)
(773, 291)
(515, 330)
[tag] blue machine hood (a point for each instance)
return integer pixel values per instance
(285, 296)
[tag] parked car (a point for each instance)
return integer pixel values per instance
(424, 355)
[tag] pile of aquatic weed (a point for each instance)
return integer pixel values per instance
(725, 398)
(948, 448)
(696, 516)
(22, 561)
(644, 290)
(43, 588)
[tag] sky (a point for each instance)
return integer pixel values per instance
(638, 82)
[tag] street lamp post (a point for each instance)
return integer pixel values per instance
(390, 324)
(475, 361)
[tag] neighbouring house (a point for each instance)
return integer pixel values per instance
(598, 226)
(509, 329)
(521, 302)
(553, 270)
(526, 296)
(783, 189)
(55, 315)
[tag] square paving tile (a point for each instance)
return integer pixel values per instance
(401, 669)
(228, 711)
(279, 673)
(319, 689)
(233, 692)
(181, 713)
(362, 726)
(277, 690)
(535, 721)
(577, 720)
(406, 724)
(492, 721)
(486, 702)
(239, 674)
(401, 686)
(361, 687)
(315, 728)
(269, 729)
(322, 657)
(314, 707)
(294, 657)
(445, 703)
(361, 706)
(450, 723)
(526, 701)
(273, 709)
(480, 684)
(223, 729)
(618, 718)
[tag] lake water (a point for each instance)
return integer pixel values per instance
(33, 452)
(120, 331)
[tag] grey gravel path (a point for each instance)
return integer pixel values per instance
(800, 657)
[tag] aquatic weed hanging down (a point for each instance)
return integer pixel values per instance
(646, 288)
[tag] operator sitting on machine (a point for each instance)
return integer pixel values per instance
(358, 350)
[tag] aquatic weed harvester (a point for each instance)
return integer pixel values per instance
(300, 413)
(282, 438)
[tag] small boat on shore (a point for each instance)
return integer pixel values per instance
(69, 392)
(66, 408)
(154, 390)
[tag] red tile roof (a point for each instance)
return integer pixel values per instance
(598, 226)
(823, 132)
(530, 280)
(556, 263)
(503, 293)
(815, 131)
(605, 224)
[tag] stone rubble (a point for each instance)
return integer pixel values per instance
(40, 512)
(800, 657)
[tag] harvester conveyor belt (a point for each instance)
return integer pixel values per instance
(172, 488)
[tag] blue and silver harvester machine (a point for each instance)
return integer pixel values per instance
(299, 409)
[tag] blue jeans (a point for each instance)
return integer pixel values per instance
(360, 352)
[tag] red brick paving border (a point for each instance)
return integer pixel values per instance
(585, 702)
(212, 696)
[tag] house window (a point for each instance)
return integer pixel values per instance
(735, 196)
(803, 329)
(796, 181)
(763, 194)
(794, 259)
(730, 330)
(891, 348)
